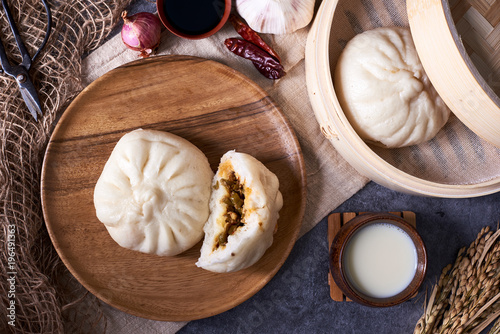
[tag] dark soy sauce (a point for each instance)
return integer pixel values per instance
(194, 17)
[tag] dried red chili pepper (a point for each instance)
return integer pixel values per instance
(263, 61)
(251, 35)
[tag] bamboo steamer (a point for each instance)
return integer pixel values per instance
(463, 160)
(466, 92)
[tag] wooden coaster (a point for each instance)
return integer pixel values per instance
(335, 221)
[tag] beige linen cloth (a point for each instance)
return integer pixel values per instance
(330, 179)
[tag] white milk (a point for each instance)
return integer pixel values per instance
(380, 260)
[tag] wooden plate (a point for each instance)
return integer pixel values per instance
(217, 109)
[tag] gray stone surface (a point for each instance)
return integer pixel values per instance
(297, 299)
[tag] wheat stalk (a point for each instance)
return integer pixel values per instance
(466, 298)
(496, 327)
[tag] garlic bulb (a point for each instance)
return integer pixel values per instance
(276, 16)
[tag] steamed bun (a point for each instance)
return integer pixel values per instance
(154, 191)
(384, 91)
(243, 214)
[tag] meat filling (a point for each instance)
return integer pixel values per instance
(235, 202)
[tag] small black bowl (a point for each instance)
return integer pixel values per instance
(217, 8)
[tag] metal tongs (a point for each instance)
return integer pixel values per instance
(21, 72)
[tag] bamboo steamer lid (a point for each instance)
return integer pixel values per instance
(441, 45)
(457, 163)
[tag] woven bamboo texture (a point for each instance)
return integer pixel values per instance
(478, 24)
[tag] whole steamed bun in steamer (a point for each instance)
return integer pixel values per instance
(244, 210)
(154, 191)
(384, 91)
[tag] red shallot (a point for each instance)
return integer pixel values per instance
(141, 32)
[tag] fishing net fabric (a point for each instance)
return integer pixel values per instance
(46, 298)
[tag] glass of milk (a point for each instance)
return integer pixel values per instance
(378, 259)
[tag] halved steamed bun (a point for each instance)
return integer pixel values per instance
(384, 91)
(154, 191)
(243, 214)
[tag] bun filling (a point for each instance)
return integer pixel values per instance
(235, 208)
